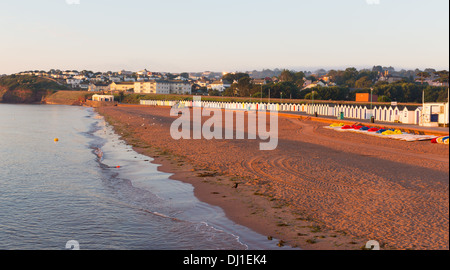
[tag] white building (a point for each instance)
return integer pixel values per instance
(105, 98)
(115, 79)
(129, 79)
(180, 87)
(315, 84)
(162, 87)
(84, 86)
(219, 85)
(81, 77)
(390, 79)
(152, 87)
(142, 72)
(126, 73)
(74, 83)
(97, 79)
(435, 114)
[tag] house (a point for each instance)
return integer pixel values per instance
(142, 72)
(260, 81)
(97, 87)
(181, 78)
(432, 82)
(315, 84)
(84, 86)
(126, 73)
(81, 77)
(129, 79)
(220, 85)
(114, 79)
(390, 79)
(97, 79)
(121, 86)
(203, 83)
(74, 83)
(326, 79)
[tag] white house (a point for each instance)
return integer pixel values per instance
(181, 78)
(129, 79)
(73, 82)
(126, 73)
(219, 85)
(142, 72)
(84, 86)
(315, 84)
(114, 79)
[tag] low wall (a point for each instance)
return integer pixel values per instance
(97, 104)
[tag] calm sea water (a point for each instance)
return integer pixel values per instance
(54, 192)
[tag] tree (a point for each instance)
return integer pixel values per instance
(215, 93)
(384, 99)
(287, 76)
(229, 92)
(422, 76)
(364, 82)
(377, 69)
(243, 87)
(442, 76)
(234, 77)
(313, 95)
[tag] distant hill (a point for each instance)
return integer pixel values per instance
(26, 89)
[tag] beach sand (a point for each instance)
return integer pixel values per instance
(319, 190)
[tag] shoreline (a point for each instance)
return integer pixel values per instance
(250, 205)
(231, 200)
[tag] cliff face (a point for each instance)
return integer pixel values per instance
(23, 95)
(26, 89)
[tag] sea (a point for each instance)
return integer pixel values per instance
(66, 177)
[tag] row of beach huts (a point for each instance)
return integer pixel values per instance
(431, 114)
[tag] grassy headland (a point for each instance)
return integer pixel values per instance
(32, 89)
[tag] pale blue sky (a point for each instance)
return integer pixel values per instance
(232, 35)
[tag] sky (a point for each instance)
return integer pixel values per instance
(216, 35)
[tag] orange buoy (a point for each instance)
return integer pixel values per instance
(118, 167)
(56, 140)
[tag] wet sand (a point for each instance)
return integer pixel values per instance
(319, 190)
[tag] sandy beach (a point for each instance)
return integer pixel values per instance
(319, 190)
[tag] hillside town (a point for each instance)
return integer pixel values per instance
(216, 83)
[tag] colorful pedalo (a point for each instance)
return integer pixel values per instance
(440, 140)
